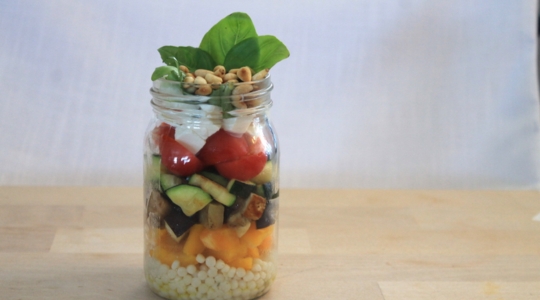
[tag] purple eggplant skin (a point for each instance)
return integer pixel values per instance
(157, 208)
(179, 222)
(269, 215)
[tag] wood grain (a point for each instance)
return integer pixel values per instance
(86, 243)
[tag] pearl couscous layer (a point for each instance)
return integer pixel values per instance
(209, 279)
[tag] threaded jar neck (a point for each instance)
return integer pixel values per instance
(172, 99)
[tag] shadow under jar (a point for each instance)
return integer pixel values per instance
(211, 187)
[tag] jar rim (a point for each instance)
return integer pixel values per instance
(175, 96)
(177, 91)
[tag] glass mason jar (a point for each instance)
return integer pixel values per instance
(211, 189)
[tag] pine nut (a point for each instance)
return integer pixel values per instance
(213, 79)
(260, 75)
(244, 74)
(229, 76)
(200, 80)
(202, 72)
(219, 71)
(204, 90)
(242, 89)
(183, 69)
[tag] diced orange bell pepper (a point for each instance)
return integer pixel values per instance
(230, 255)
(167, 250)
(167, 257)
(221, 239)
(253, 252)
(266, 244)
(194, 245)
(246, 263)
(254, 237)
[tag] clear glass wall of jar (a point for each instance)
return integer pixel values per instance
(211, 188)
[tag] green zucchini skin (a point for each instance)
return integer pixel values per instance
(217, 191)
(189, 198)
(168, 181)
(153, 168)
(265, 190)
(214, 176)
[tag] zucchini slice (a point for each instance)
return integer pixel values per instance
(153, 168)
(217, 191)
(190, 198)
(215, 177)
(264, 190)
(167, 181)
(265, 175)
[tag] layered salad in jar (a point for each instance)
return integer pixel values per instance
(211, 167)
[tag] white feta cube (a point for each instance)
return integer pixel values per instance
(212, 127)
(202, 132)
(189, 139)
(211, 109)
(238, 125)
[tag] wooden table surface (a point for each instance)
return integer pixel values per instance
(86, 243)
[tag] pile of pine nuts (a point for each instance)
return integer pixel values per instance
(203, 82)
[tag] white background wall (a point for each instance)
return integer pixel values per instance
(376, 94)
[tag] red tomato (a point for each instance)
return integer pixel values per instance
(161, 130)
(178, 159)
(222, 147)
(254, 143)
(243, 168)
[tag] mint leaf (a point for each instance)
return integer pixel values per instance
(245, 53)
(228, 32)
(272, 51)
(192, 58)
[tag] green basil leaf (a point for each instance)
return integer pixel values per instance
(226, 104)
(272, 51)
(167, 53)
(192, 58)
(176, 75)
(228, 32)
(165, 71)
(245, 53)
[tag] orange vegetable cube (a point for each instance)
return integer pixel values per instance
(186, 259)
(167, 250)
(246, 263)
(194, 245)
(230, 255)
(266, 244)
(163, 255)
(164, 240)
(167, 257)
(254, 237)
(221, 239)
(253, 252)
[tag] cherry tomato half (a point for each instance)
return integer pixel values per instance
(161, 130)
(177, 158)
(244, 168)
(254, 143)
(222, 147)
